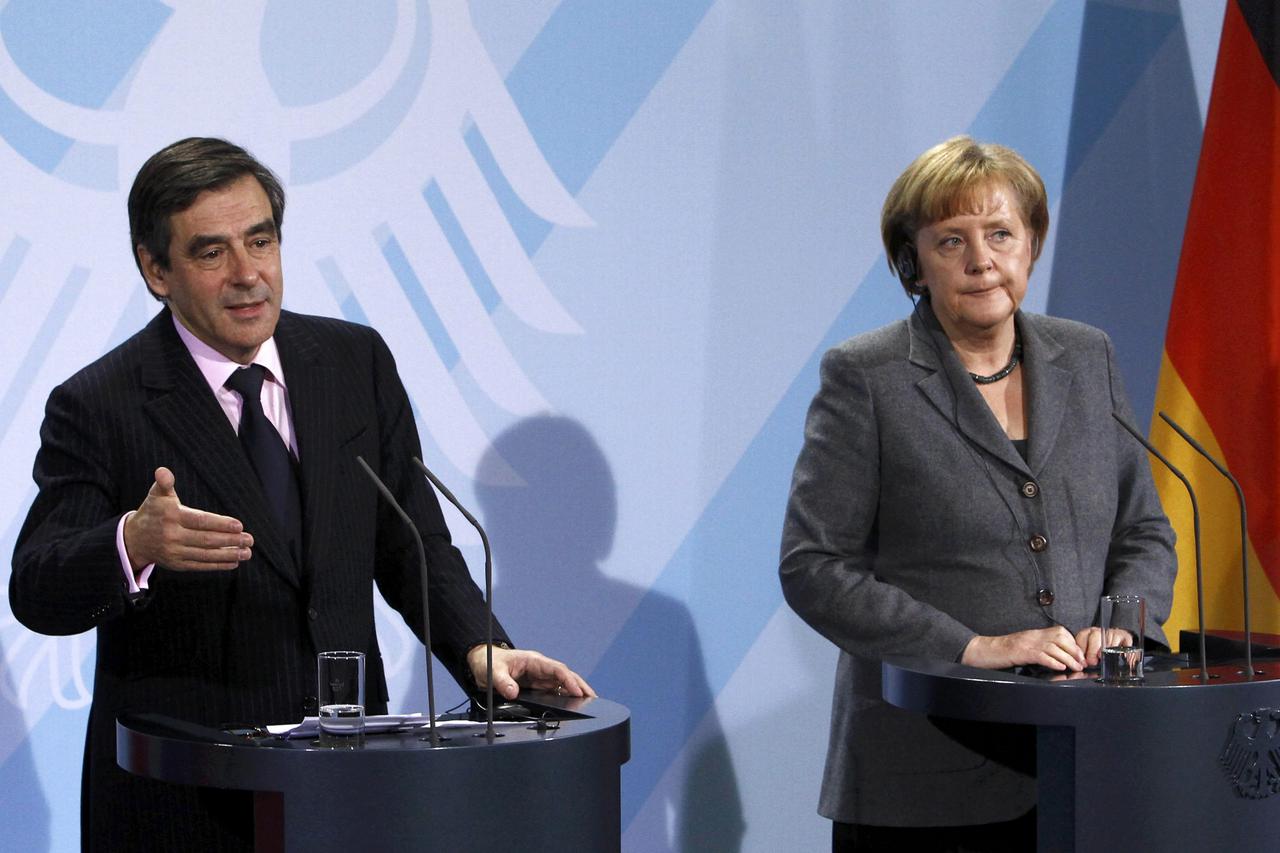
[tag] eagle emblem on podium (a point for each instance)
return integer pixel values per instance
(1251, 757)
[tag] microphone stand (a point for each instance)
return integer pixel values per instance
(434, 737)
(1195, 516)
(1244, 536)
(488, 595)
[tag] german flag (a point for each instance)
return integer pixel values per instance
(1220, 375)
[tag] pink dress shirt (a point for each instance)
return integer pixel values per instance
(216, 369)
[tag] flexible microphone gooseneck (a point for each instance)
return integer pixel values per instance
(1195, 516)
(488, 594)
(426, 609)
(1244, 536)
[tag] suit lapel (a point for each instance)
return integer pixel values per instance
(1048, 387)
(316, 406)
(951, 390)
(184, 410)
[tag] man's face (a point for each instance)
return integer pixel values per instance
(224, 282)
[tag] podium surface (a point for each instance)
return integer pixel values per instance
(1167, 764)
(529, 790)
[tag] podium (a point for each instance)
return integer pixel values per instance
(528, 790)
(1168, 764)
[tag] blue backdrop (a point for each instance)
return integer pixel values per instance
(608, 242)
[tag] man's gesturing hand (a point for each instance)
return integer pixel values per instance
(164, 531)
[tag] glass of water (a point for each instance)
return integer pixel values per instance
(1123, 623)
(341, 693)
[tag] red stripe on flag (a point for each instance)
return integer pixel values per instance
(1224, 323)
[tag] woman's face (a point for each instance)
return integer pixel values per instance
(975, 265)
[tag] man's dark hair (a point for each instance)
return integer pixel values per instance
(174, 176)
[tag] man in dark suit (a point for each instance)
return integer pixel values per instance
(212, 577)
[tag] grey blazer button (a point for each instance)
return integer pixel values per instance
(1044, 597)
(1038, 543)
(312, 614)
(1030, 489)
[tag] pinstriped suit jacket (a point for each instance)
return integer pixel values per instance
(908, 532)
(234, 646)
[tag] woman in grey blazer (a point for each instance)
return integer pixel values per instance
(965, 494)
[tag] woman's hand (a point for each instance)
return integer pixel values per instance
(1090, 639)
(1052, 648)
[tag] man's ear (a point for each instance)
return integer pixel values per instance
(153, 272)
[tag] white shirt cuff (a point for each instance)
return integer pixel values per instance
(138, 582)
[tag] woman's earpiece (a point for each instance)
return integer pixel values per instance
(905, 263)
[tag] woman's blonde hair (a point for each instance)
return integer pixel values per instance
(947, 180)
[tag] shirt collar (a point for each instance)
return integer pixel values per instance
(217, 368)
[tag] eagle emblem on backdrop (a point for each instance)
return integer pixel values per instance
(1251, 756)
(407, 164)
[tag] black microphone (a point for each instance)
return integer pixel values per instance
(426, 602)
(1195, 516)
(488, 593)
(1244, 535)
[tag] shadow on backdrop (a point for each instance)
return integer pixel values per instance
(22, 800)
(1131, 161)
(549, 537)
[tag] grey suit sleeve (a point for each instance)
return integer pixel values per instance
(1141, 557)
(829, 534)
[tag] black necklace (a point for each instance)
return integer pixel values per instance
(1004, 371)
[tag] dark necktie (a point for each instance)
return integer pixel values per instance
(269, 455)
